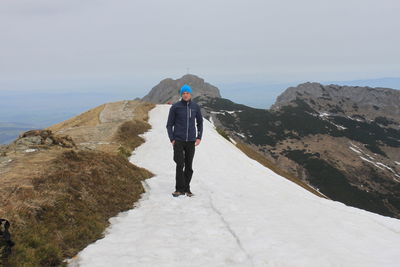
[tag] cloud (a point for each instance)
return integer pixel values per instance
(156, 38)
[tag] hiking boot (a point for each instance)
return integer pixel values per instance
(178, 193)
(189, 194)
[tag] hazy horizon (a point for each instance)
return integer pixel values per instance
(23, 106)
(22, 109)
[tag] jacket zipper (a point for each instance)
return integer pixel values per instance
(187, 125)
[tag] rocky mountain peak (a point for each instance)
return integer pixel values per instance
(168, 89)
(361, 102)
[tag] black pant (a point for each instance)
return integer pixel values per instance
(183, 156)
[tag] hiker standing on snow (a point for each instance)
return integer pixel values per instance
(184, 137)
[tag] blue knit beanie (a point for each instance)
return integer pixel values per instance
(185, 88)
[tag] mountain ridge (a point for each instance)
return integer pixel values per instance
(168, 89)
(372, 102)
(357, 154)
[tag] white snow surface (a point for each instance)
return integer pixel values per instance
(241, 135)
(355, 150)
(242, 214)
(232, 140)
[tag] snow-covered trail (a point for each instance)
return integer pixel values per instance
(242, 214)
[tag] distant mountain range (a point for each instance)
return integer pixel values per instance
(388, 82)
(262, 94)
(342, 140)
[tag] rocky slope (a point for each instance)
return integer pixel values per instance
(168, 89)
(344, 143)
(362, 103)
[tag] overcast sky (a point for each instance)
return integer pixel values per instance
(126, 43)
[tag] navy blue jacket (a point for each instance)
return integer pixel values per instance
(181, 121)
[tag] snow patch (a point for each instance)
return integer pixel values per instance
(30, 150)
(387, 167)
(217, 112)
(371, 157)
(233, 141)
(354, 145)
(354, 119)
(241, 135)
(324, 114)
(376, 164)
(373, 163)
(340, 127)
(225, 111)
(355, 150)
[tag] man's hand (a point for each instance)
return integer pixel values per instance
(197, 142)
(173, 142)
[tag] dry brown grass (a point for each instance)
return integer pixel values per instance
(142, 111)
(59, 200)
(128, 132)
(87, 118)
(71, 202)
(128, 136)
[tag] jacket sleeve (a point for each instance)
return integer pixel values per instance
(199, 120)
(171, 122)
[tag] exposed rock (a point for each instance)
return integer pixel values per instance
(48, 141)
(40, 139)
(35, 133)
(168, 89)
(29, 140)
(361, 103)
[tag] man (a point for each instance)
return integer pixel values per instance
(184, 137)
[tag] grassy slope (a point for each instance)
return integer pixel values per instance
(73, 198)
